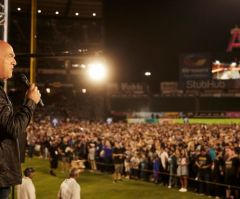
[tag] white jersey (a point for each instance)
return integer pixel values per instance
(26, 190)
(69, 189)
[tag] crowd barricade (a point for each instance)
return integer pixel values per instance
(193, 180)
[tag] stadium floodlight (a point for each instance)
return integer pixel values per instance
(147, 73)
(48, 90)
(97, 71)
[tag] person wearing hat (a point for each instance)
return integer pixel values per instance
(27, 189)
(69, 188)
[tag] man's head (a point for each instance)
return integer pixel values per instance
(7, 60)
(28, 172)
(74, 173)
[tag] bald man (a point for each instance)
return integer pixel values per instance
(70, 189)
(12, 123)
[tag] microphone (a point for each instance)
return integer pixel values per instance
(24, 79)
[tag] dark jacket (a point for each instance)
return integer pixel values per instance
(12, 128)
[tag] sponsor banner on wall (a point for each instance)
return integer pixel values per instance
(136, 120)
(168, 87)
(150, 120)
(171, 114)
(210, 84)
(195, 66)
(207, 115)
(154, 115)
(133, 88)
(233, 114)
(146, 114)
(167, 121)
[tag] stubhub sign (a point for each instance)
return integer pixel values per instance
(204, 84)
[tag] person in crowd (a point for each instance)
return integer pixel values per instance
(127, 167)
(135, 161)
(217, 174)
(107, 156)
(204, 164)
(27, 189)
(92, 156)
(164, 165)
(63, 155)
(156, 168)
(172, 169)
(182, 170)
(118, 160)
(231, 172)
(53, 156)
(69, 188)
(143, 167)
(12, 123)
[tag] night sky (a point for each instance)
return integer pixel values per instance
(150, 35)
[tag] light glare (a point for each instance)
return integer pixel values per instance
(147, 73)
(48, 90)
(97, 71)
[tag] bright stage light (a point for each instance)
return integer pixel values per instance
(48, 90)
(97, 71)
(147, 73)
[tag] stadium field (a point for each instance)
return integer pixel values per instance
(100, 186)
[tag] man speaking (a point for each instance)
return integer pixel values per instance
(12, 123)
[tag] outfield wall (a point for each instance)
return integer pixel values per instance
(190, 120)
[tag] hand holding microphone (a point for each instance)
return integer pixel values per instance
(33, 92)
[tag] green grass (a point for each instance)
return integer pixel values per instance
(100, 186)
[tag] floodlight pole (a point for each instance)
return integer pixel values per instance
(33, 63)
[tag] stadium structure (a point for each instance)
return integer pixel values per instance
(70, 33)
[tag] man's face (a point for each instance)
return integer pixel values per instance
(7, 62)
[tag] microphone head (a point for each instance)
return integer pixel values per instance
(24, 79)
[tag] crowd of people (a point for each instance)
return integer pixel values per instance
(198, 157)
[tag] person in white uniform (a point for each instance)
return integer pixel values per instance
(69, 188)
(26, 190)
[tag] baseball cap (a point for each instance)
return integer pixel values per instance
(28, 171)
